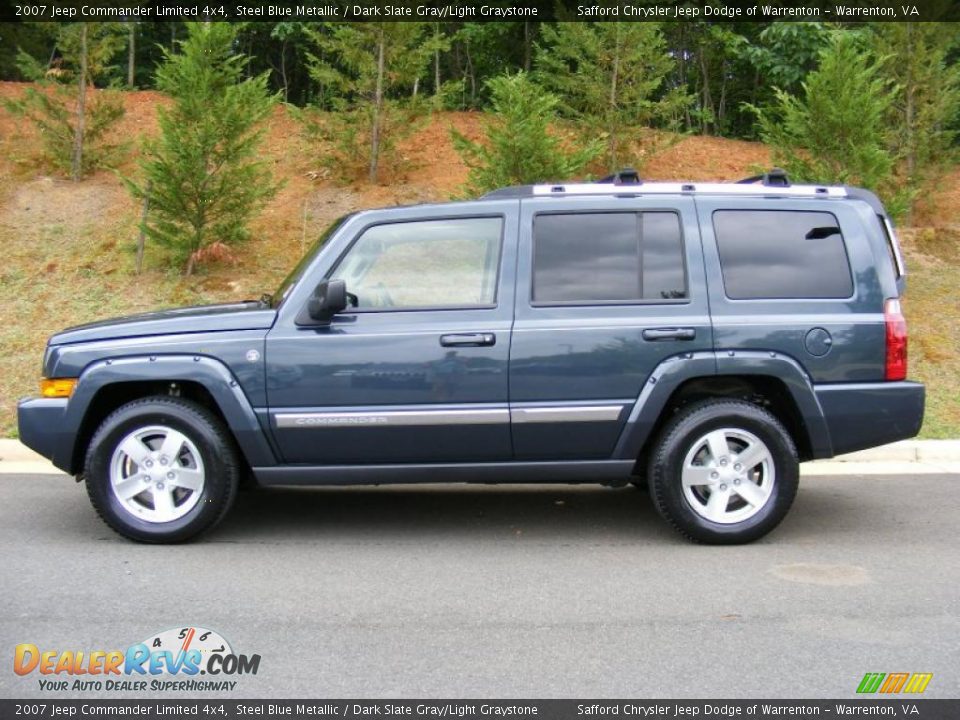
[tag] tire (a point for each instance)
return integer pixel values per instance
(699, 493)
(186, 452)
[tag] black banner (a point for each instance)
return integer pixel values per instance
(918, 709)
(480, 10)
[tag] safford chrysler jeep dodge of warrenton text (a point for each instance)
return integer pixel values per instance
(702, 339)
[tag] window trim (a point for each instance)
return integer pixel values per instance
(611, 303)
(427, 308)
(843, 242)
(893, 246)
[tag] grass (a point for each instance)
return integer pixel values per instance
(932, 307)
(53, 281)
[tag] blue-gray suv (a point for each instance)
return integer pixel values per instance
(700, 340)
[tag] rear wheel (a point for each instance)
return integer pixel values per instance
(161, 469)
(724, 472)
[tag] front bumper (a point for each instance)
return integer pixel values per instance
(865, 415)
(40, 422)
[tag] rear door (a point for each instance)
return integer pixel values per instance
(607, 288)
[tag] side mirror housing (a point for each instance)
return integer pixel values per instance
(328, 299)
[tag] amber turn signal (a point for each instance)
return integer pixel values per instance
(57, 387)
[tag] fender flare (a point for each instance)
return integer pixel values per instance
(212, 374)
(672, 372)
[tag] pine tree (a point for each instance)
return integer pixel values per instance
(75, 127)
(520, 147)
(928, 96)
(359, 65)
(612, 76)
(837, 130)
(204, 179)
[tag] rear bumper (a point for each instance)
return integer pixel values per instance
(864, 415)
(40, 422)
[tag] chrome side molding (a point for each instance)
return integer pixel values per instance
(480, 416)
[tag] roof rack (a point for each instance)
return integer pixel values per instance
(627, 182)
(626, 176)
(775, 177)
(678, 189)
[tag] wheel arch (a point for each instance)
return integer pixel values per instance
(108, 384)
(770, 380)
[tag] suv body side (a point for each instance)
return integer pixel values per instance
(705, 339)
(566, 381)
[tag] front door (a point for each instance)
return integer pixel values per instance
(417, 370)
(607, 288)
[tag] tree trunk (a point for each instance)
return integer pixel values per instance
(707, 99)
(722, 106)
(909, 111)
(526, 46)
(612, 105)
(436, 63)
(909, 92)
(76, 167)
(377, 111)
(472, 74)
(131, 54)
(688, 123)
(283, 70)
(142, 239)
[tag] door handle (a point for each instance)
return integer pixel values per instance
(468, 340)
(669, 334)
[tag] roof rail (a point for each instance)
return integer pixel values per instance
(568, 189)
(775, 177)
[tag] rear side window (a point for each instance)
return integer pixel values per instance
(595, 258)
(780, 254)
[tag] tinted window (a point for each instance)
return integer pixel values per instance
(433, 263)
(607, 257)
(782, 254)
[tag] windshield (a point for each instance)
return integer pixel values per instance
(293, 278)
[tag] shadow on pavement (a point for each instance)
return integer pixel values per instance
(453, 511)
(554, 513)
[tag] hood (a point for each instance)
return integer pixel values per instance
(249, 315)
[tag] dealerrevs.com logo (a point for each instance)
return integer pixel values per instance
(172, 660)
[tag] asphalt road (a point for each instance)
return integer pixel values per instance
(554, 591)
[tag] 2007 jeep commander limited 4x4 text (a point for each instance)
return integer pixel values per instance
(704, 338)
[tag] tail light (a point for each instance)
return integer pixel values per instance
(896, 326)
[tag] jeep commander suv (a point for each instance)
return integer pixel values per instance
(702, 339)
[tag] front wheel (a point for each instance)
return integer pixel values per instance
(161, 469)
(724, 472)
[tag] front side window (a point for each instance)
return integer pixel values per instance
(424, 264)
(618, 257)
(780, 254)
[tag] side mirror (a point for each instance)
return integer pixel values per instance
(328, 299)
